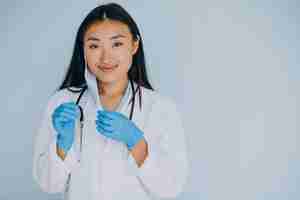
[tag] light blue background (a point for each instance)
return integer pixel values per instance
(231, 66)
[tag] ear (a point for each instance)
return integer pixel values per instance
(135, 46)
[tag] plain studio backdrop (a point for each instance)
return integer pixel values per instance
(231, 66)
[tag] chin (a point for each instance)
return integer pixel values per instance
(107, 79)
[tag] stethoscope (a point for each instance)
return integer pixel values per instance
(81, 121)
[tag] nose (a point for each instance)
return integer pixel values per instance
(106, 56)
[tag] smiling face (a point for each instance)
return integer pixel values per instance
(109, 47)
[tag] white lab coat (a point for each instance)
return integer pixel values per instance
(104, 169)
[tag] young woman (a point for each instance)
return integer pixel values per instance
(106, 134)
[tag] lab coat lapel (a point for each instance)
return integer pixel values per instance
(93, 89)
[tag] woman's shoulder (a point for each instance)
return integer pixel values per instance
(162, 108)
(159, 100)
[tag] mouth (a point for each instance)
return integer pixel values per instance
(108, 68)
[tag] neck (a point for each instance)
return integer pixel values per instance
(112, 89)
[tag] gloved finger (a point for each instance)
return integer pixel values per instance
(105, 129)
(99, 129)
(69, 124)
(103, 123)
(59, 122)
(70, 104)
(65, 112)
(65, 115)
(75, 109)
(68, 107)
(57, 111)
(56, 118)
(72, 114)
(105, 115)
(102, 131)
(62, 118)
(115, 114)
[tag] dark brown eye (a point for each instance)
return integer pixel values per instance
(117, 44)
(93, 46)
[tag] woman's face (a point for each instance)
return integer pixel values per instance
(109, 48)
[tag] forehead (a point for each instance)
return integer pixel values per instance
(106, 29)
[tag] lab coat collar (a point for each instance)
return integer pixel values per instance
(93, 89)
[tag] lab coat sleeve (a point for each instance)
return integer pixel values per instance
(164, 171)
(49, 170)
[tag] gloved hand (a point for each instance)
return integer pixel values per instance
(63, 119)
(117, 126)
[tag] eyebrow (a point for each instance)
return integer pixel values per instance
(112, 38)
(118, 36)
(92, 38)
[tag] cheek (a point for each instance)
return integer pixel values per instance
(92, 59)
(125, 59)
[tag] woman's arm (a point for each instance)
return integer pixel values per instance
(140, 152)
(165, 168)
(51, 168)
(60, 152)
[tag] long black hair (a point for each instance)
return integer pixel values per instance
(75, 73)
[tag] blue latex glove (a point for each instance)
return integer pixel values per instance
(117, 126)
(63, 119)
